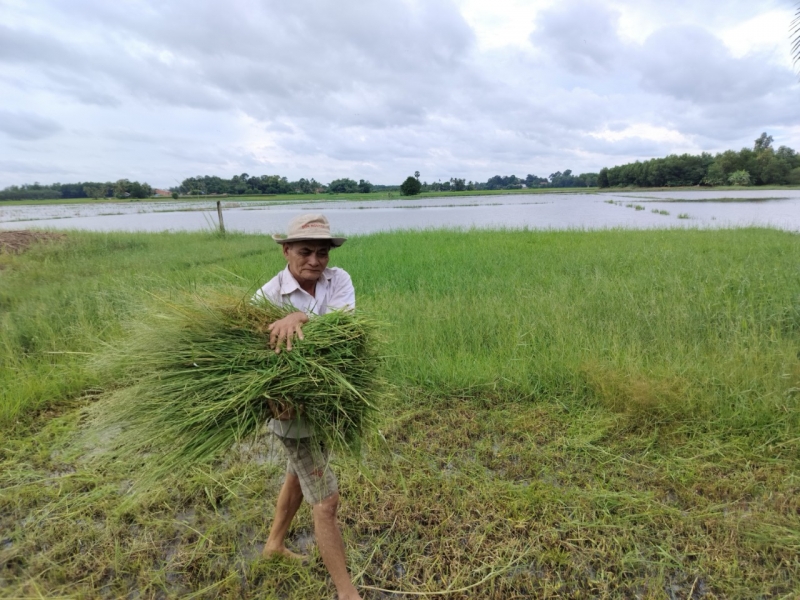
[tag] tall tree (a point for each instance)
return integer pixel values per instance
(122, 188)
(763, 142)
(95, 191)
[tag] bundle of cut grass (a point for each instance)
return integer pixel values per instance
(194, 376)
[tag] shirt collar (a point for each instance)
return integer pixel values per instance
(289, 283)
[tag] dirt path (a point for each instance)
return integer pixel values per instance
(15, 242)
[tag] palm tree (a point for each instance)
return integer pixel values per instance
(794, 32)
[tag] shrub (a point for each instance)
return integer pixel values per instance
(740, 177)
(343, 186)
(410, 187)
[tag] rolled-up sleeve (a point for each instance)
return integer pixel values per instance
(342, 294)
(269, 291)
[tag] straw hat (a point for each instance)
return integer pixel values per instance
(309, 227)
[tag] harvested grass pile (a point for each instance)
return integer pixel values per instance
(15, 242)
(194, 376)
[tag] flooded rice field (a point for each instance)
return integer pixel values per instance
(635, 210)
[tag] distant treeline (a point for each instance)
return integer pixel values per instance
(245, 184)
(761, 165)
(512, 182)
(90, 189)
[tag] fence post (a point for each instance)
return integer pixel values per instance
(221, 222)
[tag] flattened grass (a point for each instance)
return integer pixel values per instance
(609, 414)
(461, 489)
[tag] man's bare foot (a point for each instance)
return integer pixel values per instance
(284, 552)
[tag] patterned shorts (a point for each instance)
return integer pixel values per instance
(310, 462)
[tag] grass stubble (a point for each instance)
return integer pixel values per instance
(580, 414)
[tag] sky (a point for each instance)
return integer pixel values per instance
(157, 91)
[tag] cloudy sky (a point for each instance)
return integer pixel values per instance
(161, 90)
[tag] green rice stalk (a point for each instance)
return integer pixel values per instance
(194, 376)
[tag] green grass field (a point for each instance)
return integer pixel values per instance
(578, 415)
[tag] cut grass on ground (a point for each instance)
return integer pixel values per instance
(582, 414)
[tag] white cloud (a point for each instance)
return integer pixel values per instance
(26, 126)
(581, 36)
(502, 23)
(161, 91)
(690, 63)
(643, 131)
(764, 33)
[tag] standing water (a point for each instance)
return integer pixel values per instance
(636, 210)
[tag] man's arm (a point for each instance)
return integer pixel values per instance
(282, 330)
(342, 296)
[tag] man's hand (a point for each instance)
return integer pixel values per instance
(282, 411)
(283, 331)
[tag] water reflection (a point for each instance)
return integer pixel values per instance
(636, 210)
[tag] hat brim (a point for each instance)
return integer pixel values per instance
(335, 241)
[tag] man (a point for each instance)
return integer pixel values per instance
(308, 285)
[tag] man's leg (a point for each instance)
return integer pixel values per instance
(331, 546)
(289, 500)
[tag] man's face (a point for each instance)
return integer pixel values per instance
(307, 259)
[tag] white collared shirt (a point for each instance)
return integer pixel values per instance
(334, 291)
